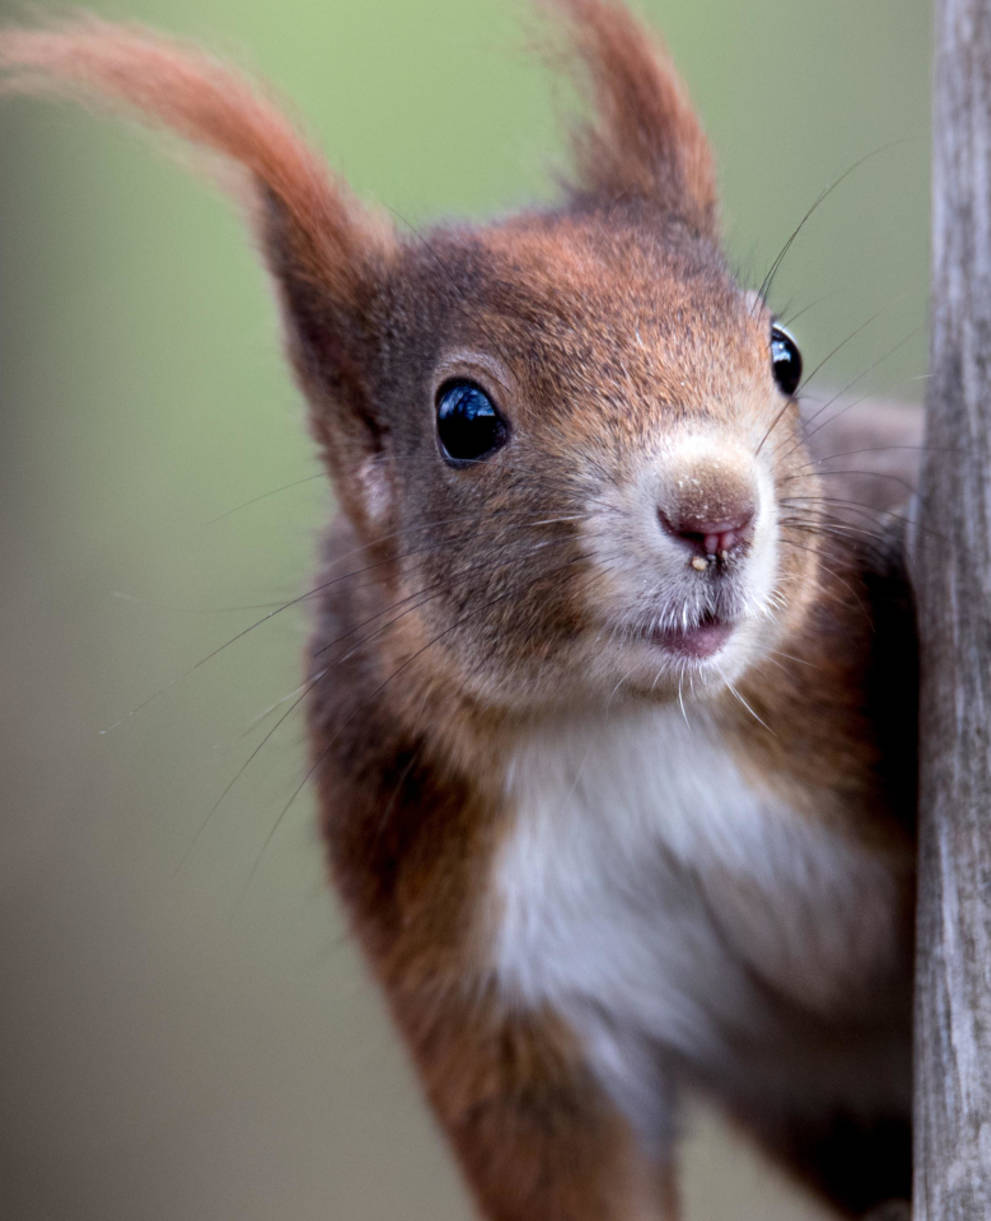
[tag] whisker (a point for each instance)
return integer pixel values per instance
(681, 695)
(824, 518)
(868, 512)
(809, 376)
(760, 720)
(820, 198)
(774, 423)
(864, 539)
(802, 661)
(259, 717)
(373, 695)
(438, 587)
(793, 318)
(307, 688)
(122, 596)
(280, 608)
(839, 348)
(864, 512)
(867, 474)
(418, 599)
(808, 432)
(882, 449)
(789, 542)
(212, 521)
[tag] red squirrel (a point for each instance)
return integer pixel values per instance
(611, 717)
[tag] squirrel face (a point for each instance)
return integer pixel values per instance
(611, 525)
(601, 518)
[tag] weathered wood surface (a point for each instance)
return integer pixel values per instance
(952, 571)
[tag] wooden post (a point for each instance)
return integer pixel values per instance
(951, 558)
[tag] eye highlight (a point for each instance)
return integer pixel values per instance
(786, 360)
(469, 425)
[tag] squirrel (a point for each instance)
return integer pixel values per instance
(611, 718)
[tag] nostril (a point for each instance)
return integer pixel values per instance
(711, 536)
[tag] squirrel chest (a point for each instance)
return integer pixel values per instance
(670, 911)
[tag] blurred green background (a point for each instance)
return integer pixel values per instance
(186, 1030)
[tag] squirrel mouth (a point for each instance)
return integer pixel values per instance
(697, 640)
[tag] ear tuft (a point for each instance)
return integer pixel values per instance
(644, 140)
(328, 256)
(175, 85)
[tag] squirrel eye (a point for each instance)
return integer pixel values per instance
(786, 360)
(468, 423)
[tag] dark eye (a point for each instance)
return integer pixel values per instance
(786, 360)
(468, 423)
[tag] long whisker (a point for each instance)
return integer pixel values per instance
(865, 511)
(820, 198)
(806, 504)
(847, 474)
(882, 449)
(681, 695)
(309, 683)
(808, 432)
(121, 595)
(793, 318)
(809, 376)
(774, 423)
(839, 348)
(817, 552)
(760, 720)
(260, 717)
(307, 688)
(373, 695)
(866, 540)
(802, 661)
(212, 521)
(280, 608)
(433, 590)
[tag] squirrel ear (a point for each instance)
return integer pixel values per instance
(328, 255)
(644, 140)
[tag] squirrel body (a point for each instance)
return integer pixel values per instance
(611, 718)
(627, 901)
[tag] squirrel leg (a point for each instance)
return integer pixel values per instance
(862, 1166)
(536, 1136)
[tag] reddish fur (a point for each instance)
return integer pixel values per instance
(645, 140)
(408, 724)
(178, 86)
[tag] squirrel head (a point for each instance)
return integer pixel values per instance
(562, 436)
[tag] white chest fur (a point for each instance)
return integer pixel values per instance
(658, 902)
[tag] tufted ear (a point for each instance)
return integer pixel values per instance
(644, 140)
(328, 255)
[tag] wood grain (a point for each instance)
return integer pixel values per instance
(952, 573)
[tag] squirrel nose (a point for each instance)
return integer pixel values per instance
(731, 531)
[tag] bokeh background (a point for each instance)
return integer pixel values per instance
(186, 1031)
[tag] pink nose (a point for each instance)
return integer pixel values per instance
(733, 532)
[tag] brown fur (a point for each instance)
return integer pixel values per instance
(645, 141)
(462, 605)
